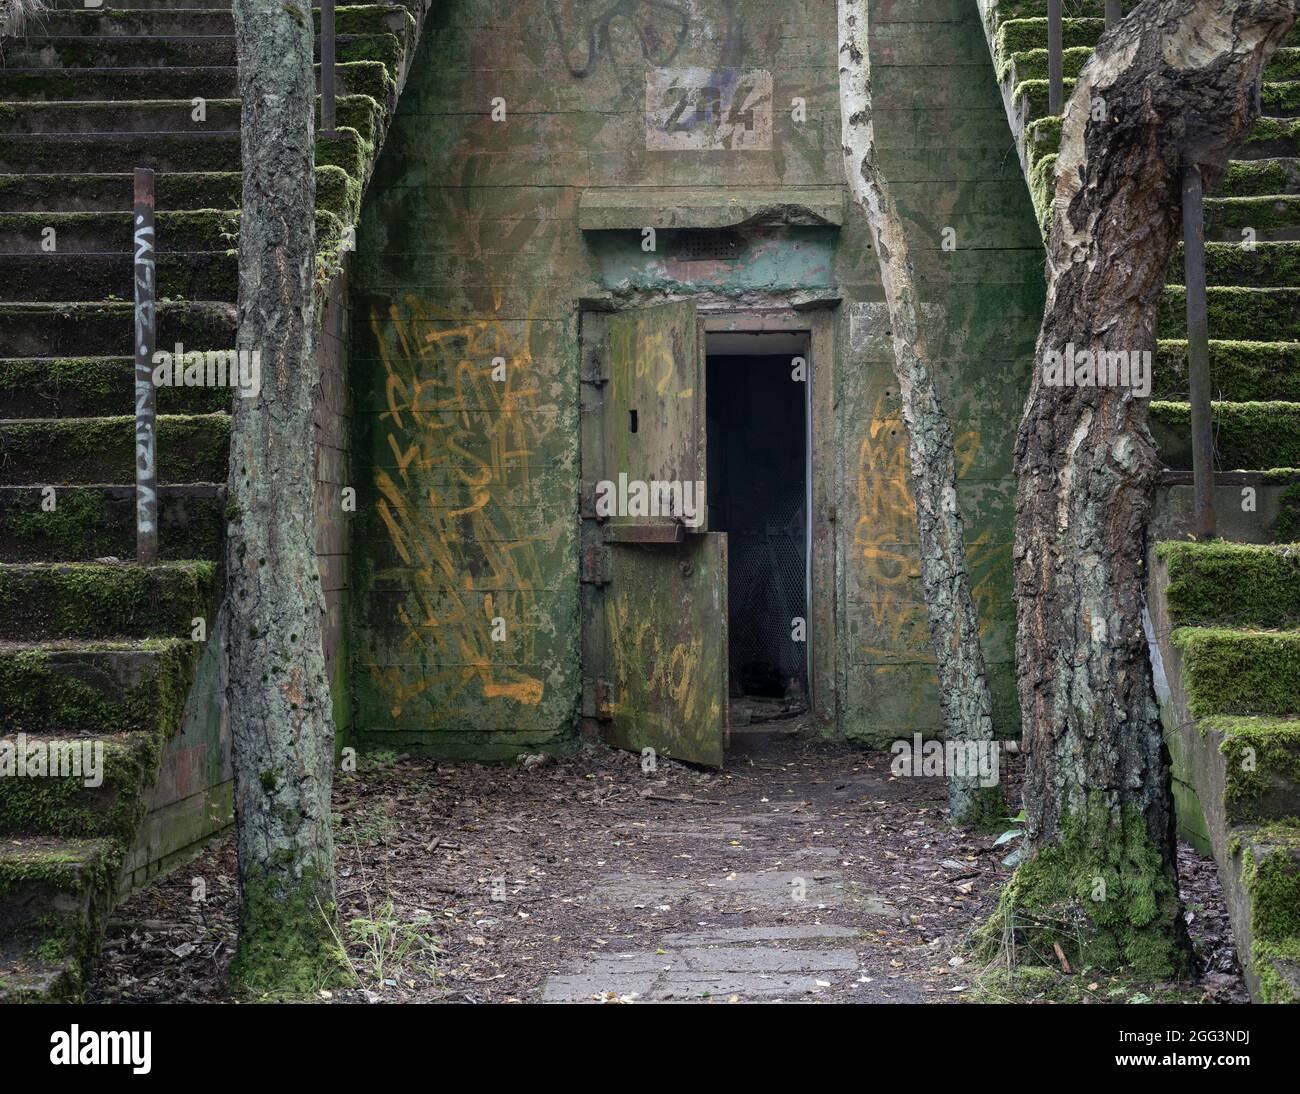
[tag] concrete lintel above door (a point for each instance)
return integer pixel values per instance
(622, 208)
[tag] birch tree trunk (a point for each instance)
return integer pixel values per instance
(954, 626)
(1170, 84)
(278, 692)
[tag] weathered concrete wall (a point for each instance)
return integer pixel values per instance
(470, 248)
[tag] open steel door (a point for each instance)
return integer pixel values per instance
(656, 579)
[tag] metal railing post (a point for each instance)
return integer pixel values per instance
(1114, 12)
(1198, 351)
(1055, 73)
(327, 66)
(146, 395)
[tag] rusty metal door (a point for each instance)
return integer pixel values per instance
(654, 580)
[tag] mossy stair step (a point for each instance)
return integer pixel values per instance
(1016, 35)
(210, 20)
(90, 522)
(1031, 64)
(91, 387)
(1261, 766)
(1236, 312)
(54, 895)
(188, 151)
(1266, 858)
(35, 278)
(105, 232)
(86, 785)
(1227, 670)
(1247, 436)
(73, 451)
(92, 687)
(1232, 584)
(47, 600)
(1268, 138)
(79, 329)
(1239, 371)
(174, 191)
(166, 51)
(1260, 177)
(1263, 265)
(359, 112)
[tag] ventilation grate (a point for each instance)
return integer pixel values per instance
(709, 246)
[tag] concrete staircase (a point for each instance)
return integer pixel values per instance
(1225, 615)
(95, 650)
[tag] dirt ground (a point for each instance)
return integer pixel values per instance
(803, 872)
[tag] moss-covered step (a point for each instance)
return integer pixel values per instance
(212, 82)
(1279, 100)
(1253, 178)
(174, 191)
(1261, 766)
(1264, 905)
(1232, 584)
(1272, 217)
(91, 687)
(1241, 313)
(181, 51)
(84, 785)
(105, 329)
(1263, 265)
(1231, 671)
(54, 896)
(359, 112)
(40, 600)
(1031, 64)
(82, 523)
(1247, 436)
(212, 20)
(96, 153)
(1021, 34)
(102, 232)
(1269, 137)
(90, 387)
(1240, 371)
(203, 275)
(70, 451)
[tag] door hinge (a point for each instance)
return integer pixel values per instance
(597, 698)
(595, 564)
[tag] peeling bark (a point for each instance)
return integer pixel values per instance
(278, 692)
(954, 626)
(1170, 84)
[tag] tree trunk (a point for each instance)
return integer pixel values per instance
(954, 626)
(1169, 85)
(278, 691)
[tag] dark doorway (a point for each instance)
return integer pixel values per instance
(757, 428)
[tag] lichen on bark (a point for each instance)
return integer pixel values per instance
(1169, 85)
(278, 692)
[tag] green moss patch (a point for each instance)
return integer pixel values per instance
(95, 687)
(1247, 436)
(90, 600)
(1240, 371)
(1233, 584)
(1101, 894)
(76, 450)
(1229, 671)
(1261, 767)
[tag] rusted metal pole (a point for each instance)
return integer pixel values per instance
(1198, 351)
(327, 66)
(1114, 12)
(1055, 72)
(146, 395)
